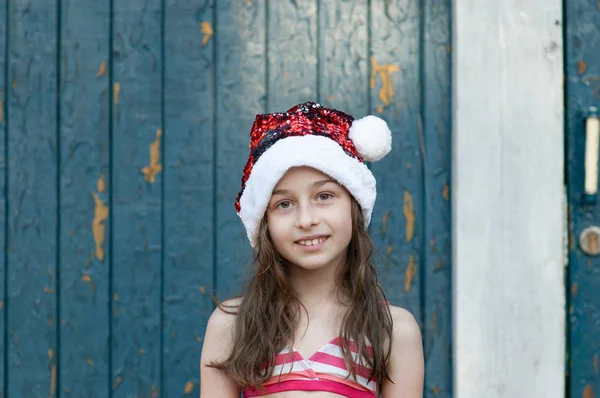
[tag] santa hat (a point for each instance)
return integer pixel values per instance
(311, 135)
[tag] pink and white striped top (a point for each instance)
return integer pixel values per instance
(325, 370)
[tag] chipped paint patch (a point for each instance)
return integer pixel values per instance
(141, 352)
(409, 214)
(189, 387)
(90, 362)
(116, 92)
(86, 278)
(154, 391)
(199, 339)
(581, 67)
(48, 290)
(98, 227)
(574, 289)
(435, 390)
(438, 265)
(52, 372)
(1, 110)
(596, 364)
(102, 69)
(101, 185)
(588, 392)
(384, 222)
(389, 250)
(386, 92)
(207, 32)
(118, 381)
(202, 289)
(433, 322)
(155, 166)
(410, 273)
(446, 192)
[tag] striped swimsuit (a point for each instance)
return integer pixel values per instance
(325, 370)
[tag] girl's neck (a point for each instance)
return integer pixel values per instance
(315, 287)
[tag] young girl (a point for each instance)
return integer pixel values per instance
(313, 321)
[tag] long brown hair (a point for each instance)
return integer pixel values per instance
(268, 314)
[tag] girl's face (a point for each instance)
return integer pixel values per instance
(309, 219)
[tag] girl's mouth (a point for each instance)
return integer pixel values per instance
(312, 244)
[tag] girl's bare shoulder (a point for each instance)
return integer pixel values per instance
(406, 329)
(222, 320)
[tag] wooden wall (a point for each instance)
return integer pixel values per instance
(508, 199)
(123, 133)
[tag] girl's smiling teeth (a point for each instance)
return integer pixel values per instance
(312, 242)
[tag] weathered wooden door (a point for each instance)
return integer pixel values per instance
(582, 41)
(124, 130)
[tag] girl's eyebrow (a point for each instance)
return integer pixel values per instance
(316, 184)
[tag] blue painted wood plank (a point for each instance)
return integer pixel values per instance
(189, 187)
(84, 193)
(292, 52)
(437, 218)
(3, 169)
(32, 199)
(240, 95)
(397, 226)
(582, 68)
(136, 183)
(343, 56)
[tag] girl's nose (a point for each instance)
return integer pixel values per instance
(306, 216)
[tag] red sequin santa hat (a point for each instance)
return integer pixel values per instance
(309, 134)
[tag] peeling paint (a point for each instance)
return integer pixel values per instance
(48, 290)
(14, 84)
(141, 352)
(588, 392)
(389, 250)
(52, 372)
(86, 278)
(386, 92)
(435, 390)
(409, 214)
(432, 245)
(116, 297)
(438, 265)
(384, 222)
(189, 386)
(581, 67)
(101, 185)
(102, 69)
(116, 92)
(410, 273)
(596, 364)
(574, 289)
(154, 391)
(1, 110)
(330, 98)
(207, 32)
(433, 322)
(117, 382)
(98, 227)
(155, 166)
(446, 192)
(202, 289)
(90, 362)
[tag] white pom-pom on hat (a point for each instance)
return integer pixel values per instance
(371, 137)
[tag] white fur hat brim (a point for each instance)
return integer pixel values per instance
(318, 152)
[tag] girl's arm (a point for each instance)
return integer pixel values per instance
(406, 366)
(217, 346)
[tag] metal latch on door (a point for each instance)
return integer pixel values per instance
(589, 239)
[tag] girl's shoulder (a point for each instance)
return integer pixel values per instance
(405, 327)
(222, 319)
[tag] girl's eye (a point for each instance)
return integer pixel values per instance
(284, 204)
(325, 196)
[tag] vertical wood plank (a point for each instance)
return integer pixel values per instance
(343, 55)
(508, 307)
(292, 46)
(240, 95)
(397, 225)
(136, 213)
(437, 241)
(582, 19)
(3, 170)
(32, 214)
(189, 189)
(84, 193)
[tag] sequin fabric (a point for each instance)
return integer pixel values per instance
(303, 119)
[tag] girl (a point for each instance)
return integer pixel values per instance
(313, 321)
